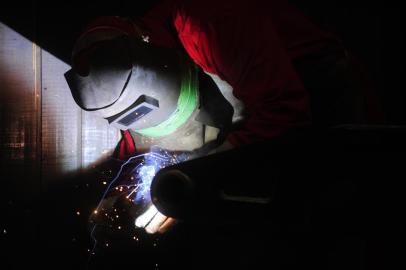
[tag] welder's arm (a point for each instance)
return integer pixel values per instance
(225, 146)
(272, 119)
(250, 55)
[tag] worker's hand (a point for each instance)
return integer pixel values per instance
(154, 221)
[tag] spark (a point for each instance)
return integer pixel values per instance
(146, 174)
(134, 190)
(141, 176)
(145, 38)
(78, 213)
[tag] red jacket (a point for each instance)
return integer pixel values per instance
(251, 47)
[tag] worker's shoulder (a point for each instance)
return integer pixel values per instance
(209, 10)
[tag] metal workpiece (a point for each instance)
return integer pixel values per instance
(211, 184)
(282, 174)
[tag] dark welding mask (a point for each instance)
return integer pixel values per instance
(134, 84)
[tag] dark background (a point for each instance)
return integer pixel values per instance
(46, 235)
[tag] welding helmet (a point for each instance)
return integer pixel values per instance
(131, 82)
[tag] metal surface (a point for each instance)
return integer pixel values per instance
(19, 112)
(210, 184)
(44, 136)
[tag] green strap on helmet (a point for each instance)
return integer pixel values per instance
(187, 103)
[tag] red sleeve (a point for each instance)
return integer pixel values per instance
(126, 146)
(244, 49)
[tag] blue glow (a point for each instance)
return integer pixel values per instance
(145, 172)
(145, 167)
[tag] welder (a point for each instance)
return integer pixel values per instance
(205, 76)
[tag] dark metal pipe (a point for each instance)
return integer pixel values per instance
(245, 176)
(306, 166)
